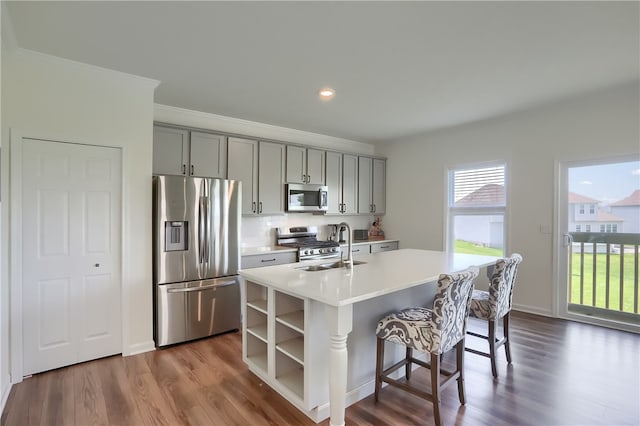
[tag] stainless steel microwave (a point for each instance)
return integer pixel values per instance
(306, 198)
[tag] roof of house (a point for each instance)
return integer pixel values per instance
(631, 200)
(608, 217)
(577, 198)
(487, 195)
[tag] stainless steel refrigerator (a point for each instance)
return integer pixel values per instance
(196, 257)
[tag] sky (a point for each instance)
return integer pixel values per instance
(607, 182)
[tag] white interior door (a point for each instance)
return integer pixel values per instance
(71, 204)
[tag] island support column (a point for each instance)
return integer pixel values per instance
(340, 323)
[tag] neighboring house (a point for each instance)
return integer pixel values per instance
(629, 210)
(486, 231)
(585, 215)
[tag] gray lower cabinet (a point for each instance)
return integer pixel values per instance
(268, 259)
(369, 247)
(384, 246)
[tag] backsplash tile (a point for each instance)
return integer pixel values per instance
(260, 231)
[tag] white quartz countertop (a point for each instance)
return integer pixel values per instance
(384, 273)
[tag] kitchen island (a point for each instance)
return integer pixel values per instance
(296, 322)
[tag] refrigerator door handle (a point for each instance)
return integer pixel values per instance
(203, 288)
(201, 230)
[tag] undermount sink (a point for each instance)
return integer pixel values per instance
(327, 266)
(341, 264)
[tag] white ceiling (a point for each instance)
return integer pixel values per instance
(399, 68)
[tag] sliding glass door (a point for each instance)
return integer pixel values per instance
(598, 241)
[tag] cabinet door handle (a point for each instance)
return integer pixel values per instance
(268, 260)
(384, 247)
(253, 206)
(355, 251)
(374, 208)
(260, 209)
(192, 170)
(304, 178)
(184, 169)
(308, 178)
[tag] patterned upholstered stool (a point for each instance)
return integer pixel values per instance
(495, 304)
(434, 331)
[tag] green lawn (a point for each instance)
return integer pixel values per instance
(601, 276)
(470, 248)
(600, 288)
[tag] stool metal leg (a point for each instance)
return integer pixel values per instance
(407, 367)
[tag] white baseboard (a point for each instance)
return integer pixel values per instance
(5, 393)
(533, 310)
(139, 348)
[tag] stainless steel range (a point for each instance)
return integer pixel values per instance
(305, 239)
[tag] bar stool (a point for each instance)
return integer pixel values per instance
(434, 331)
(494, 305)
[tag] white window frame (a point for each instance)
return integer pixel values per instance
(451, 212)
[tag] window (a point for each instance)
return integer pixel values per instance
(581, 208)
(614, 227)
(608, 227)
(477, 205)
(578, 228)
(587, 228)
(601, 228)
(592, 208)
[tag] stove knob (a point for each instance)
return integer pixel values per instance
(306, 252)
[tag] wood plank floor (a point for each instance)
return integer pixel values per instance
(564, 373)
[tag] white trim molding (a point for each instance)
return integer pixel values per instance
(188, 118)
(533, 310)
(139, 348)
(5, 394)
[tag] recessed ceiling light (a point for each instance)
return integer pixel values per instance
(326, 93)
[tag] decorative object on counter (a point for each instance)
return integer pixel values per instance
(376, 232)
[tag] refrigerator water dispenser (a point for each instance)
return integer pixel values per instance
(175, 236)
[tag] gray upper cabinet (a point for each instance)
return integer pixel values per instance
(208, 155)
(315, 166)
(305, 165)
(181, 152)
(242, 165)
(170, 151)
(371, 185)
(334, 182)
(342, 183)
(260, 167)
(271, 178)
(379, 190)
(350, 184)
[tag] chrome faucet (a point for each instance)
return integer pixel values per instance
(349, 262)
